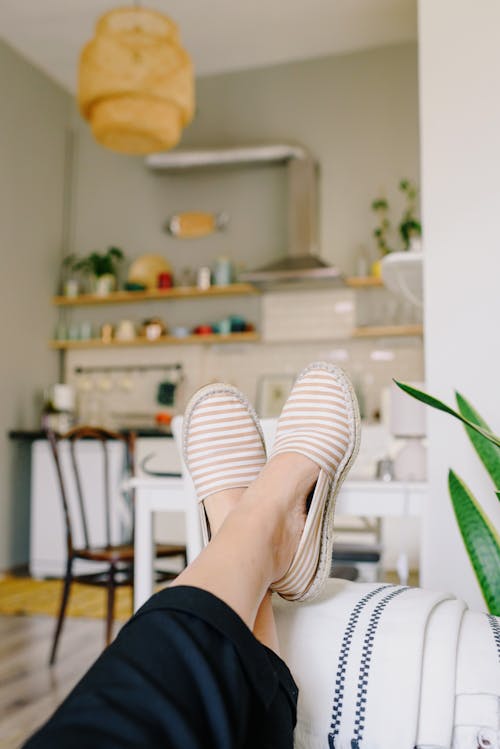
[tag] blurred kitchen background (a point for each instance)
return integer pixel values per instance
(352, 106)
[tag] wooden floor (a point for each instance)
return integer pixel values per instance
(29, 689)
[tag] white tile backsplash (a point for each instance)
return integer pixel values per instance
(243, 364)
(308, 315)
(297, 327)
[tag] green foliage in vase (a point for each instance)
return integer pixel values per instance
(97, 263)
(480, 537)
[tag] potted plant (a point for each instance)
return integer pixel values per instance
(409, 227)
(479, 535)
(102, 269)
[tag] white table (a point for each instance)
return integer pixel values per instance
(158, 495)
(363, 498)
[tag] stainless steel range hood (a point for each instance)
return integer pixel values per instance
(301, 263)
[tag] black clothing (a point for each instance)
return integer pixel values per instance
(184, 673)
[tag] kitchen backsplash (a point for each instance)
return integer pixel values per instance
(127, 396)
(296, 327)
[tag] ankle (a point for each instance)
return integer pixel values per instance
(219, 505)
(292, 477)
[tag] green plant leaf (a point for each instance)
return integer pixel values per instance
(480, 539)
(488, 453)
(429, 400)
(115, 252)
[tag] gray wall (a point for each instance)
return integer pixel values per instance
(33, 120)
(357, 113)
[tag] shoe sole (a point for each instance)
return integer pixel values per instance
(196, 399)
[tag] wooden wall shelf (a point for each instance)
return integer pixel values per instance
(368, 331)
(176, 293)
(165, 340)
(388, 331)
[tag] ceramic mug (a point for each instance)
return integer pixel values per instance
(125, 330)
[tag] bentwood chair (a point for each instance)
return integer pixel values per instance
(115, 560)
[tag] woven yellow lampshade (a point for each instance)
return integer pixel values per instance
(135, 82)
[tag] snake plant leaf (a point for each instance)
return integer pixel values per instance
(481, 541)
(488, 452)
(429, 400)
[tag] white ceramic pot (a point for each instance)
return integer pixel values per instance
(103, 285)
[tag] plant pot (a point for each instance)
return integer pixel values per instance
(71, 287)
(103, 285)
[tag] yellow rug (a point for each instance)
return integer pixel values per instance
(28, 597)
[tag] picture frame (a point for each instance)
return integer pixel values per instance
(272, 393)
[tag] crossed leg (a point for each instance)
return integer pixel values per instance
(255, 532)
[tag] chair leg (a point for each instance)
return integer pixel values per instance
(62, 609)
(111, 604)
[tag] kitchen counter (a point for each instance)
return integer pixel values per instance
(29, 435)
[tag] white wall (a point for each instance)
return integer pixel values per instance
(460, 130)
(32, 139)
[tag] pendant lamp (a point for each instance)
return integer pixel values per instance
(135, 84)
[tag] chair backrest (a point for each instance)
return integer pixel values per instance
(71, 479)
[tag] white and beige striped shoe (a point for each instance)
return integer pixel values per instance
(223, 443)
(321, 421)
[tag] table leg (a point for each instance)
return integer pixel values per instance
(143, 552)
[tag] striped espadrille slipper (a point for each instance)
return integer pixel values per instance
(321, 421)
(222, 442)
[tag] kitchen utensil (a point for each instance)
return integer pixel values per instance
(86, 330)
(125, 331)
(163, 418)
(165, 280)
(203, 277)
(187, 277)
(153, 328)
(74, 331)
(195, 224)
(126, 382)
(145, 270)
(385, 469)
(71, 287)
(237, 323)
(61, 331)
(203, 330)
(224, 326)
(107, 330)
(223, 271)
(166, 393)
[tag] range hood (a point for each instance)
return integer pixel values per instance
(301, 264)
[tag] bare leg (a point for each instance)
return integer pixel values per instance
(256, 542)
(218, 506)
(264, 628)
